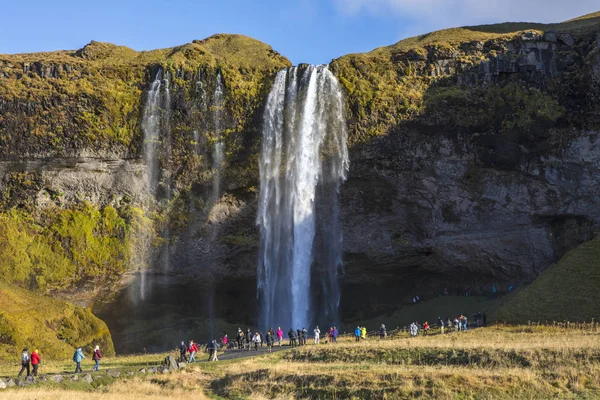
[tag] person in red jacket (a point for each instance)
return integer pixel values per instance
(193, 349)
(35, 361)
(96, 357)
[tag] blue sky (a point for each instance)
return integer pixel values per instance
(313, 31)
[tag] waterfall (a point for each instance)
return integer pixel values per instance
(156, 130)
(304, 160)
(219, 146)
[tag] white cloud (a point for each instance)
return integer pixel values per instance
(444, 13)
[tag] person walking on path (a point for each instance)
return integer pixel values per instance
(256, 340)
(212, 347)
(270, 339)
(304, 335)
(78, 357)
(382, 332)
(363, 333)
(225, 341)
(317, 333)
(357, 333)
(183, 349)
(334, 335)
(292, 337)
(35, 362)
(441, 324)
(248, 339)
(426, 327)
(96, 357)
(193, 350)
(279, 336)
(25, 359)
(240, 339)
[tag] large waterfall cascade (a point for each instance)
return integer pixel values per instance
(304, 160)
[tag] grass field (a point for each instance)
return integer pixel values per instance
(500, 362)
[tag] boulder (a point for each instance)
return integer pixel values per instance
(151, 370)
(75, 378)
(10, 382)
(113, 373)
(171, 363)
(163, 370)
(42, 378)
(29, 380)
(142, 371)
(19, 382)
(181, 365)
(56, 378)
(87, 378)
(2, 384)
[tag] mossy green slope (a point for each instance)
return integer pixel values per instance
(52, 326)
(567, 291)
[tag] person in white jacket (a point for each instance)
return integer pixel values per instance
(317, 332)
(256, 340)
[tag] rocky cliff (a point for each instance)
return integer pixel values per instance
(474, 160)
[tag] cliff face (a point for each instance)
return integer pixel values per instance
(475, 155)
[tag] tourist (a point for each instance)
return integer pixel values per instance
(270, 340)
(248, 339)
(426, 327)
(363, 333)
(225, 341)
(78, 357)
(317, 333)
(448, 323)
(25, 359)
(292, 337)
(212, 347)
(441, 324)
(357, 333)
(96, 358)
(240, 339)
(35, 362)
(193, 349)
(465, 323)
(382, 332)
(334, 335)
(299, 336)
(279, 336)
(256, 340)
(304, 335)
(183, 349)
(456, 324)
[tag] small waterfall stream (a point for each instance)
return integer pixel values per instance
(304, 160)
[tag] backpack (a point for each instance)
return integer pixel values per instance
(24, 357)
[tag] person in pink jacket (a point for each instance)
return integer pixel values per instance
(279, 336)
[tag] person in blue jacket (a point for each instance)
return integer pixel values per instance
(357, 333)
(78, 357)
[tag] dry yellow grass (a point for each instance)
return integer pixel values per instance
(541, 362)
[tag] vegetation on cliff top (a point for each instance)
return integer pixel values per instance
(567, 291)
(408, 81)
(62, 102)
(52, 326)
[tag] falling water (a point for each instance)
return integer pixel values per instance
(303, 162)
(157, 150)
(219, 148)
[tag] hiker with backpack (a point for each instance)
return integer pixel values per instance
(25, 359)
